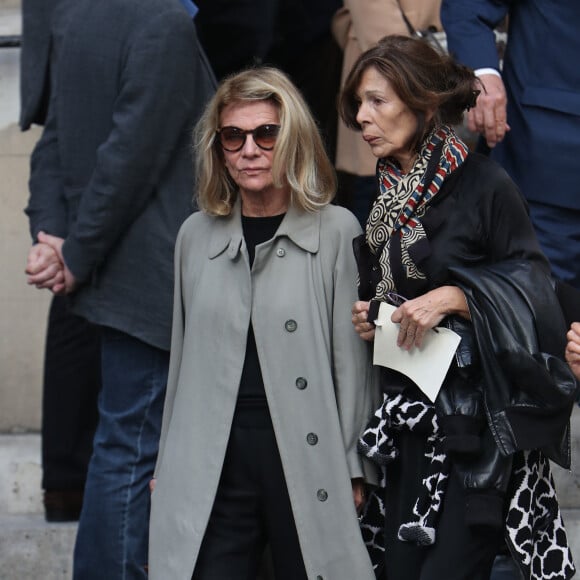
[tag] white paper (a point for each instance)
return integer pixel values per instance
(425, 366)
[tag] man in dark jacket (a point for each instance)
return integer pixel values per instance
(111, 182)
(71, 378)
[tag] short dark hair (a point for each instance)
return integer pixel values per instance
(424, 79)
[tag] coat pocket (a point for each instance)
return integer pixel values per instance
(555, 99)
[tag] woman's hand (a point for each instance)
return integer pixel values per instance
(419, 315)
(360, 315)
(152, 484)
(358, 493)
(573, 349)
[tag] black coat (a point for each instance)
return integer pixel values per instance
(112, 173)
(40, 21)
(479, 237)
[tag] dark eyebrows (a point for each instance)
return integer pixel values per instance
(370, 94)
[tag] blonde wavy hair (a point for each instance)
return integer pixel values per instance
(299, 160)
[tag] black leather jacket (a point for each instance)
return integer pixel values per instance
(528, 388)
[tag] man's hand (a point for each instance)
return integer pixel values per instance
(69, 283)
(488, 117)
(44, 268)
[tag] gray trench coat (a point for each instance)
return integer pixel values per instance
(317, 376)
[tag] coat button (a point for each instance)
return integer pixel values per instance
(312, 438)
(280, 252)
(290, 325)
(301, 383)
(322, 495)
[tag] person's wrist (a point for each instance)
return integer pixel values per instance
(487, 71)
(454, 301)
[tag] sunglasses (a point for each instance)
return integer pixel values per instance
(232, 139)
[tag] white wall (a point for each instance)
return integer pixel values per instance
(23, 309)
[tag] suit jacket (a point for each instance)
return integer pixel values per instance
(112, 172)
(542, 80)
(40, 19)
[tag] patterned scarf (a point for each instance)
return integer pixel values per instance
(403, 200)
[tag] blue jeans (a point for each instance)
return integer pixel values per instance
(113, 529)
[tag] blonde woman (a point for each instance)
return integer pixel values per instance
(269, 384)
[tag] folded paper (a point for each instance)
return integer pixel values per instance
(425, 366)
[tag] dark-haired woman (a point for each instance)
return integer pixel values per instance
(450, 232)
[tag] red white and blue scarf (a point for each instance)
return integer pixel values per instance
(403, 200)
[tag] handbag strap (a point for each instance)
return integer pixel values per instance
(410, 27)
(427, 34)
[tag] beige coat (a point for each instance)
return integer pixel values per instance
(356, 27)
(298, 296)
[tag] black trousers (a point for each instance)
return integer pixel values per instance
(459, 552)
(251, 509)
(72, 378)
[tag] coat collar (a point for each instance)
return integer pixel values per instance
(300, 226)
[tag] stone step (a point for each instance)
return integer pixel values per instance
(568, 481)
(572, 523)
(20, 474)
(32, 549)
